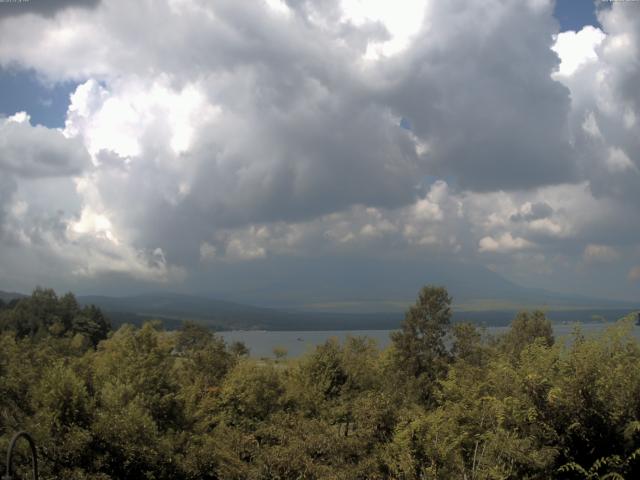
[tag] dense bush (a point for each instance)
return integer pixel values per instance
(441, 402)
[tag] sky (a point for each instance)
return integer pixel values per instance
(298, 151)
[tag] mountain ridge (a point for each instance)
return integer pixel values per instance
(354, 294)
(173, 308)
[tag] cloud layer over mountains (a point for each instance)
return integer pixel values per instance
(206, 134)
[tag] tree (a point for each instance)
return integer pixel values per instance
(35, 316)
(419, 348)
(238, 349)
(192, 336)
(250, 393)
(324, 370)
(43, 314)
(525, 329)
(91, 322)
(467, 344)
(203, 363)
(280, 352)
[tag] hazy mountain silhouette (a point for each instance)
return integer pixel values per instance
(384, 286)
(8, 296)
(352, 294)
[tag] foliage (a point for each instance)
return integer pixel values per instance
(443, 401)
(45, 314)
(419, 349)
(525, 329)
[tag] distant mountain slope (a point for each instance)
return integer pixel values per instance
(222, 315)
(349, 294)
(360, 285)
(8, 296)
(172, 309)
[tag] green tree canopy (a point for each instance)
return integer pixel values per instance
(419, 347)
(525, 329)
(45, 314)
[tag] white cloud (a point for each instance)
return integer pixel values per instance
(590, 126)
(618, 161)
(36, 151)
(95, 224)
(207, 251)
(402, 20)
(577, 48)
(19, 117)
(600, 253)
(549, 227)
(279, 6)
(43, 212)
(255, 130)
(119, 120)
(605, 103)
(425, 209)
(86, 247)
(237, 249)
(504, 243)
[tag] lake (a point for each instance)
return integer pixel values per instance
(261, 343)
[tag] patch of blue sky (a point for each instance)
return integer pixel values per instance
(575, 14)
(22, 90)
(429, 180)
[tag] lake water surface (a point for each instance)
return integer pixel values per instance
(261, 343)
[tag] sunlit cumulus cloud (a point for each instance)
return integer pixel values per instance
(505, 243)
(246, 131)
(42, 168)
(36, 151)
(577, 48)
(401, 22)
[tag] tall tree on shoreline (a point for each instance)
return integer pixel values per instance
(419, 349)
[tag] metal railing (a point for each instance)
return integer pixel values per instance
(34, 456)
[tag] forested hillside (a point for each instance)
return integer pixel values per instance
(146, 403)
